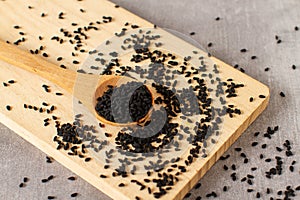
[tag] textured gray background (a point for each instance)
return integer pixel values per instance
(244, 24)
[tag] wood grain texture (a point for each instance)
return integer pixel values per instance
(42, 139)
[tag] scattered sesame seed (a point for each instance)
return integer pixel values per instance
(8, 107)
(121, 185)
(58, 94)
(45, 55)
(72, 178)
(262, 96)
(282, 94)
(74, 194)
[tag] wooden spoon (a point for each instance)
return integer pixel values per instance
(88, 86)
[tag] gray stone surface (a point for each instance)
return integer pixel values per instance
(243, 24)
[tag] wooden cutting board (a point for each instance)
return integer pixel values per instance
(44, 23)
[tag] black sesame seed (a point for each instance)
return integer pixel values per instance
(253, 168)
(22, 185)
(243, 50)
(209, 44)
(262, 96)
(106, 166)
(238, 149)
(282, 94)
(224, 157)
(267, 69)
(44, 180)
(50, 177)
(258, 195)
(87, 159)
(187, 195)
(121, 185)
(72, 178)
(254, 144)
(51, 197)
(268, 160)
(198, 185)
(108, 134)
(250, 190)
(225, 167)
(8, 107)
(294, 67)
(25, 179)
(74, 194)
(45, 55)
(58, 94)
(192, 33)
(103, 176)
(49, 159)
(217, 18)
(233, 167)
(253, 57)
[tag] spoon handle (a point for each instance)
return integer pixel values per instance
(19, 58)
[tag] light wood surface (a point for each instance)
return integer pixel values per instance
(28, 89)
